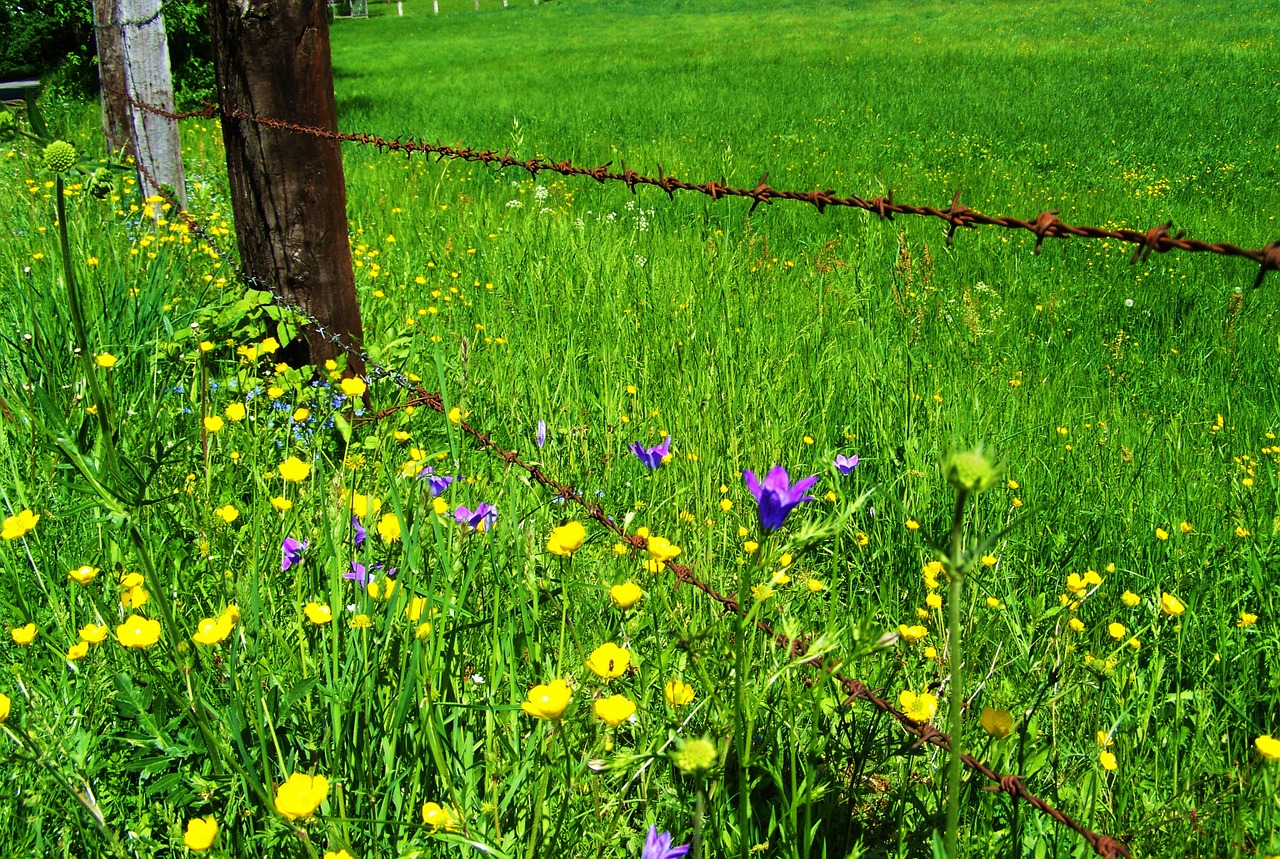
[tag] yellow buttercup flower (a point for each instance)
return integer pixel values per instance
(814, 585)
(227, 513)
(566, 539)
(389, 527)
(294, 470)
(301, 795)
(1266, 745)
(1130, 599)
(1117, 631)
(94, 633)
(918, 708)
(415, 608)
(1171, 605)
(761, 592)
(266, 347)
(1162, 534)
(660, 549)
(24, 635)
(933, 601)
(281, 503)
(106, 360)
(77, 651)
(625, 595)
(1108, 761)
(678, 693)
(997, 723)
(440, 506)
(138, 632)
(213, 423)
(437, 817)
(354, 387)
(5, 705)
(234, 412)
(201, 831)
(318, 613)
(213, 630)
(1246, 619)
(135, 597)
(341, 854)
(614, 710)
(911, 634)
(83, 574)
(609, 661)
(18, 525)
(548, 701)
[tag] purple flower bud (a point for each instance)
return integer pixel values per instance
(480, 519)
(657, 845)
(358, 529)
(542, 434)
(775, 496)
(436, 482)
(651, 456)
(291, 552)
(358, 574)
(846, 464)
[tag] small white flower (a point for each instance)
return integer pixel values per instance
(1128, 302)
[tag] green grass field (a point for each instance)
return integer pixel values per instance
(1134, 409)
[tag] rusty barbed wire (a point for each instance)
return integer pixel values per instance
(796, 647)
(1045, 225)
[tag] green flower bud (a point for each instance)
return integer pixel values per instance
(695, 756)
(59, 156)
(970, 471)
(99, 183)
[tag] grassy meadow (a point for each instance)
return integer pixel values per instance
(1118, 618)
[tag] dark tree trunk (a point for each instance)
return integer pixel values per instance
(288, 194)
(115, 112)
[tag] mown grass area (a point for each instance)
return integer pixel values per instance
(1133, 409)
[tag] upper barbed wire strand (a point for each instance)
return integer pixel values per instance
(1157, 239)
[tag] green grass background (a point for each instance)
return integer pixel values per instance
(744, 336)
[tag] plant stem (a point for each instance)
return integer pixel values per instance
(955, 698)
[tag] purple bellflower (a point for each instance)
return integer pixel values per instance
(846, 464)
(480, 519)
(358, 574)
(437, 482)
(775, 496)
(358, 530)
(291, 552)
(651, 456)
(658, 846)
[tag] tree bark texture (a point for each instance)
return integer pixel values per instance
(149, 80)
(288, 193)
(115, 110)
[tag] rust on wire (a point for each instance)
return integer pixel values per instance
(1157, 239)
(1046, 225)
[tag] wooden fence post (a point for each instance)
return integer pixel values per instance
(115, 110)
(148, 79)
(288, 192)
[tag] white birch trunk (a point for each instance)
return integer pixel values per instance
(148, 79)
